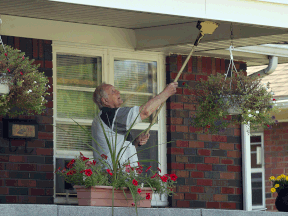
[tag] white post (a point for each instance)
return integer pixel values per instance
(246, 167)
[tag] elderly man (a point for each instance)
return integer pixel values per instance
(115, 118)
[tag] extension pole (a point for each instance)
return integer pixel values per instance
(206, 27)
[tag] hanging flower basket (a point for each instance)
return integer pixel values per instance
(22, 87)
(220, 96)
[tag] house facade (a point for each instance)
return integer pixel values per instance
(127, 50)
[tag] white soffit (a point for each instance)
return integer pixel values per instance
(254, 12)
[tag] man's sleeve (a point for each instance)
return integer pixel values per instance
(125, 118)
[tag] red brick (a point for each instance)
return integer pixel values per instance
(189, 91)
(171, 128)
(178, 196)
(201, 77)
(174, 75)
(181, 159)
(238, 191)
(27, 183)
(189, 196)
(213, 160)
(184, 188)
(215, 205)
(227, 205)
(231, 168)
(44, 151)
(175, 121)
(190, 65)
(173, 105)
(237, 132)
(220, 197)
(183, 129)
(190, 166)
(27, 167)
(204, 137)
(49, 104)
(36, 143)
(175, 166)
(204, 152)
(9, 182)
(11, 199)
(17, 142)
(45, 120)
(225, 190)
(36, 192)
(35, 48)
(4, 190)
(204, 64)
(4, 174)
(182, 173)
(196, 144)
(17, 43)
(234, 154)
(204, 167)
(188, 76)
(218, 138)
(45, 168)
(197, 189)
(180, 143)
(189, 106)
(229, 175)
(222, 66)
(209, 65)
(175, 151)
(48, 64)
(278, 171)
(179, 91)
(41, 62)
(238, 147)
(199, 64)
(4, 158)
(2, 166)
(197, 174)
(183, 204)
(206, 182)
(193, 129)
(218, 65)
(49, 176)
(11, 166)
(49, 192)
(45, 136)
(226, 146)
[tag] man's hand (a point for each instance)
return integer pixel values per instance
(171, 88)
(142, 139)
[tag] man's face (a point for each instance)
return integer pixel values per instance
(113, 100)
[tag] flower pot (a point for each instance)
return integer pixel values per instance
(102, 196)
(281, 201)
(233, 110)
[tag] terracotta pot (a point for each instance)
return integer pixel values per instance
(102, 196)
(281, 201)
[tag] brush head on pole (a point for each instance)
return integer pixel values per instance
(207, 27)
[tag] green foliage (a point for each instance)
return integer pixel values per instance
(217, 95)
(27, 86)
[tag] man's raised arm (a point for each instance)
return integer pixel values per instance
(152, 105)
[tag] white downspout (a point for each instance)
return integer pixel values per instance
(246, 167)
(273, 62)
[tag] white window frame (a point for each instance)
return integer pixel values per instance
(258, 170)
(108, 55)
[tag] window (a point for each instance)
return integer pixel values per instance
(257, 171)
(76, 73)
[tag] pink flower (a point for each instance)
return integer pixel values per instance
(8, 70)
(128, 167)
(6, 54)
(258, 74)
(23, 57)
(139, 190)
(139, 170)
(134, 182)
(21, 73)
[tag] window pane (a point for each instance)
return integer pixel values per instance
(151, 153)
(78, 71)
(254, 139)
(257, 193)
(254, 161)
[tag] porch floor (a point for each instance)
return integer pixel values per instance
(63, 210)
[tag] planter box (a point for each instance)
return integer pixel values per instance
(102, 196)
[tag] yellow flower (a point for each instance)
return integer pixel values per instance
(277, 185)
(272, 178)
(278, 177)
(283, 176)
(286, 178)
(273, 190)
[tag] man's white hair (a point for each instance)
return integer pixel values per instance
(98, 94)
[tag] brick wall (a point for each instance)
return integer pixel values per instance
(24, 177)
(208, 166)
(276, 158)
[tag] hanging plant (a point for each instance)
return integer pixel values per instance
(221, 94)
(26, 85)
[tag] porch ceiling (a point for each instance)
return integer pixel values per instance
(156, 32)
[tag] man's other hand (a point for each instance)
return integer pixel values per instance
(142, 139)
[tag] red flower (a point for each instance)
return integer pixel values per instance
(88, 172)
(64, 170)
(82, 171)
(133, 204)
(148, 168)
(139, 190)
(170, 188)
(58, 170)
(85, 158)
(208, 126)
(268, 125)
(173, 177)
(139, 170)
(104, 156)
(128, 167)
(134, 182)
(139, 165)
(148, 197)
(23, 57)
(89, 163)
(183, 83)
(258, 74)
(70, 164)
(154, 175)
(71, 172)
(159, 170)
(8, 70)
(6, 54)
(274, 99)
(21, 73)
(109, 171)
(94, 162)
(164, 178)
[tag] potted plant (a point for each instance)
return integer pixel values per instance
(280, 185)
(23, 88)
(122, 184)
(220, 96)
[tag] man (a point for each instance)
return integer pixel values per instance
(115, 118)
